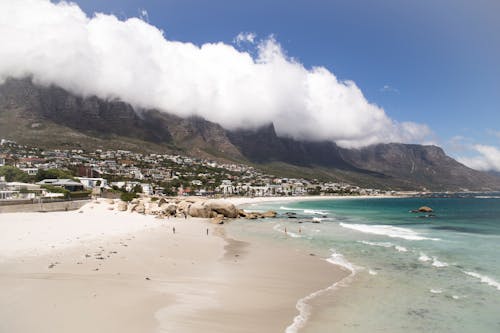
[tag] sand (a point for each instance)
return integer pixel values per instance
(238, 201)
(106, 271)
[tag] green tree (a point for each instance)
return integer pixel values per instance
(53, 174)
(13, 174)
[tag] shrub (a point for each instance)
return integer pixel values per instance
(128, 196)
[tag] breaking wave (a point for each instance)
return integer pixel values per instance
(484, 279)
(386, 230)
(386, 244)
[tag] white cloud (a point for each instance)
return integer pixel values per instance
(488, 158)
(242, 37)
(132, 60)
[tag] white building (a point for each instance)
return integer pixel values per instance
(30, 171)
(19, 191)
(90, 183)
(147, 188)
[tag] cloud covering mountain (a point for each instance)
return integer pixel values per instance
(134, 61)
(486, 159)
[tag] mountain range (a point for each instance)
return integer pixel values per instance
(52, 117)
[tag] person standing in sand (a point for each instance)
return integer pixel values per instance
(173, 229)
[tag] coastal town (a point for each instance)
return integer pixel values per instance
(31, 173)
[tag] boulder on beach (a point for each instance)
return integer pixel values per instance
(153, 209)
(269, 213)
(139, 208)
(222, 207)
(256, 215)
(122, 206)
(169, 209)
(198, 209)
(183, 206)
(219, 219)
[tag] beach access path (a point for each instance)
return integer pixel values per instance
(100, 270)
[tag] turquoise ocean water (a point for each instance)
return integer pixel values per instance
(407, 272)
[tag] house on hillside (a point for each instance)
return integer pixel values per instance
(30, 171)
(67, 184)
(91, 183)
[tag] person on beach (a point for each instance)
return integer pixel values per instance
(207, 231)
(173, 229)
(285, 231)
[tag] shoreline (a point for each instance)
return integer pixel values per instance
(71, 263)
(240, 201)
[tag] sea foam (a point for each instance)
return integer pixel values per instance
(314, 212)
(484, 279)
(437, 263)
(289, 208)
(387, 230)
(386, 244)
(424, 257)
(304, 308)
(305, 211)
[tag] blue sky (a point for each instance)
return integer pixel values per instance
(433, 62)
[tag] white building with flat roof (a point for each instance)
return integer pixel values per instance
(90, 183)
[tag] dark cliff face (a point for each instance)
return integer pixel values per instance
(263, 145)
(89, 114)
(200, 137)
(399, 165)
(428, 166)
(107, 119)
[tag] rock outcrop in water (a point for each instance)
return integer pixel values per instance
(423, 209)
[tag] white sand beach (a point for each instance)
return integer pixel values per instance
(257, 200)
(100, 270)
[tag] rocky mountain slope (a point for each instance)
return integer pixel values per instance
(53, 117)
